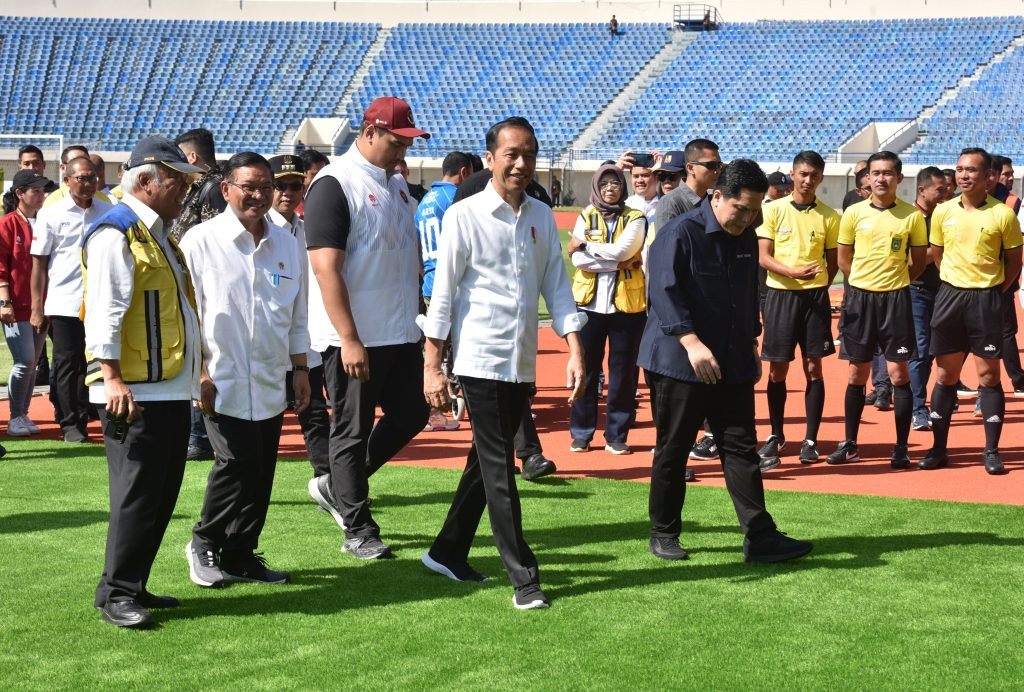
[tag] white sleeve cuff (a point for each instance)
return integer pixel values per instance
(569, 323)
(433, 328)
(105, 351)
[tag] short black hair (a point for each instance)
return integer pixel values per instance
(927, 174)
(949, 172)
(861, 174)
(1007, 161)
(478, 164)
(73, 147)
(695, 147)
(245, 159)
(30, 149)
(454, 162)
(886, 156)
(491, 140)
(978, 151)
(998, 162)
(740, 175)
(201, 140)
(312, 157)
(809, 158)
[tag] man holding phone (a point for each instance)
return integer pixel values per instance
(138, 292)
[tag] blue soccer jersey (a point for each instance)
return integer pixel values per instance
(428, 224)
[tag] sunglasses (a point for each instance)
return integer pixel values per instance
(710, 165)
(282, 186)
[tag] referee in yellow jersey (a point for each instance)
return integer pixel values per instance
(976, 243)
(797, 244)
(882, 247)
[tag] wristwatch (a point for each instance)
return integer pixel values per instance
(5, 303)
(582, 247)
(301, 368)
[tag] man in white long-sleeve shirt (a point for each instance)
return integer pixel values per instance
(142, 345)
(251, 288)
(499, 252)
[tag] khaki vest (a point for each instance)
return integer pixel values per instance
(630, 289)
(153, 330)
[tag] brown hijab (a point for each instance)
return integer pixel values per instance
(610, 212)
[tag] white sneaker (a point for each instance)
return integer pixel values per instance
(438, 422)
(32, 427)
(16, 428)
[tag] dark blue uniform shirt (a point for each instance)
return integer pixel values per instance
(701, 279)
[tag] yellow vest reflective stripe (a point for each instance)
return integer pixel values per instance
(153, 329)
(630, 289)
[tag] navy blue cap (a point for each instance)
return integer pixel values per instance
(671, 162)
(156, 149)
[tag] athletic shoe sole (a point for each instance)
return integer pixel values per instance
(531, 605)
(325, 504)
(193, 575)
(609, 448)
(435, 566)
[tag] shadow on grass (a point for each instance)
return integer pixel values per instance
(50, 521)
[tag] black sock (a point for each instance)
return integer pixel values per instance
(943, 399)
(777, 407)
(814, 405)
(854, 409)
(993, 409)
(903, 403)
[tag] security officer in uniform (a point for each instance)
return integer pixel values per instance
(131, 268)
(976, 243)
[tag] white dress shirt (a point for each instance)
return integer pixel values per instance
(314, 298)
(57, 234)
(252, 308)
(603, 259)
(492, 267)
(648, 206)
(108, 295)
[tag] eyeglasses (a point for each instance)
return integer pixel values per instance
(612, 184)
(85, 179)
(250, 191)
(710, 165)
(282, 186)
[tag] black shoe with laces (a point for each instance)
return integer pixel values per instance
(457, 571)
(993, 462)
(774, 546)
(900, 457)
(706, 449)
(666, 548)
(809, 453)
(252, 568)
(537, 466)
(846, 453)
(366, 547)
(883, 399)
(529, 597)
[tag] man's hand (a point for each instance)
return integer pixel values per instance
(120, 402)
(701, 359)
(626, 161)
(435, 389)
(355, 360)
(38, 321)
(633, 263)
(575, 375)
(7, 314)
(804, 273)
(208, 395)
(300, 386)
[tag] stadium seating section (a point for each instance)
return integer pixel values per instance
(762, 90)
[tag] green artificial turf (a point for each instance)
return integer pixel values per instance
(898, 594)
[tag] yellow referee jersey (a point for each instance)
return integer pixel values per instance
(801, 237)
(973, 241)
(881, 240)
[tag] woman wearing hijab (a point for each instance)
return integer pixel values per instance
(609, 285)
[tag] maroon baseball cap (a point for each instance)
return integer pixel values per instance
(395, 116)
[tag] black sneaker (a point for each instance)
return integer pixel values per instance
(689, 476)
(964, 390)
(933, 459)
(900, 457)
(579, 446)
(772, 447)
(774, 546)
(366, 548)
(253, 569)
(705, 450)
(199, 454)
(1018, 392)
(993, 462)
(869, 399)
(618, 448)
(846, 453)
(320, 490)
(537, 466)
(529, 597)
(203, 566)
(883, 399)
(809, 453)
(666, 549)
(458, 572)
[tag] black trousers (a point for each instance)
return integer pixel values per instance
(68, 392)
(315, 422)
(496, 409)
(1011, 352)
(680, 411)
(145, 473)
(358, 447)
(238, 488)
(527, 442)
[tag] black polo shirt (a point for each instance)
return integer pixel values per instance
(702, 280)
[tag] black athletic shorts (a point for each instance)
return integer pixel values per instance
(872, 320)
(968, 319)
(797, 317)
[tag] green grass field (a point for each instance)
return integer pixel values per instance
(898, 594)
